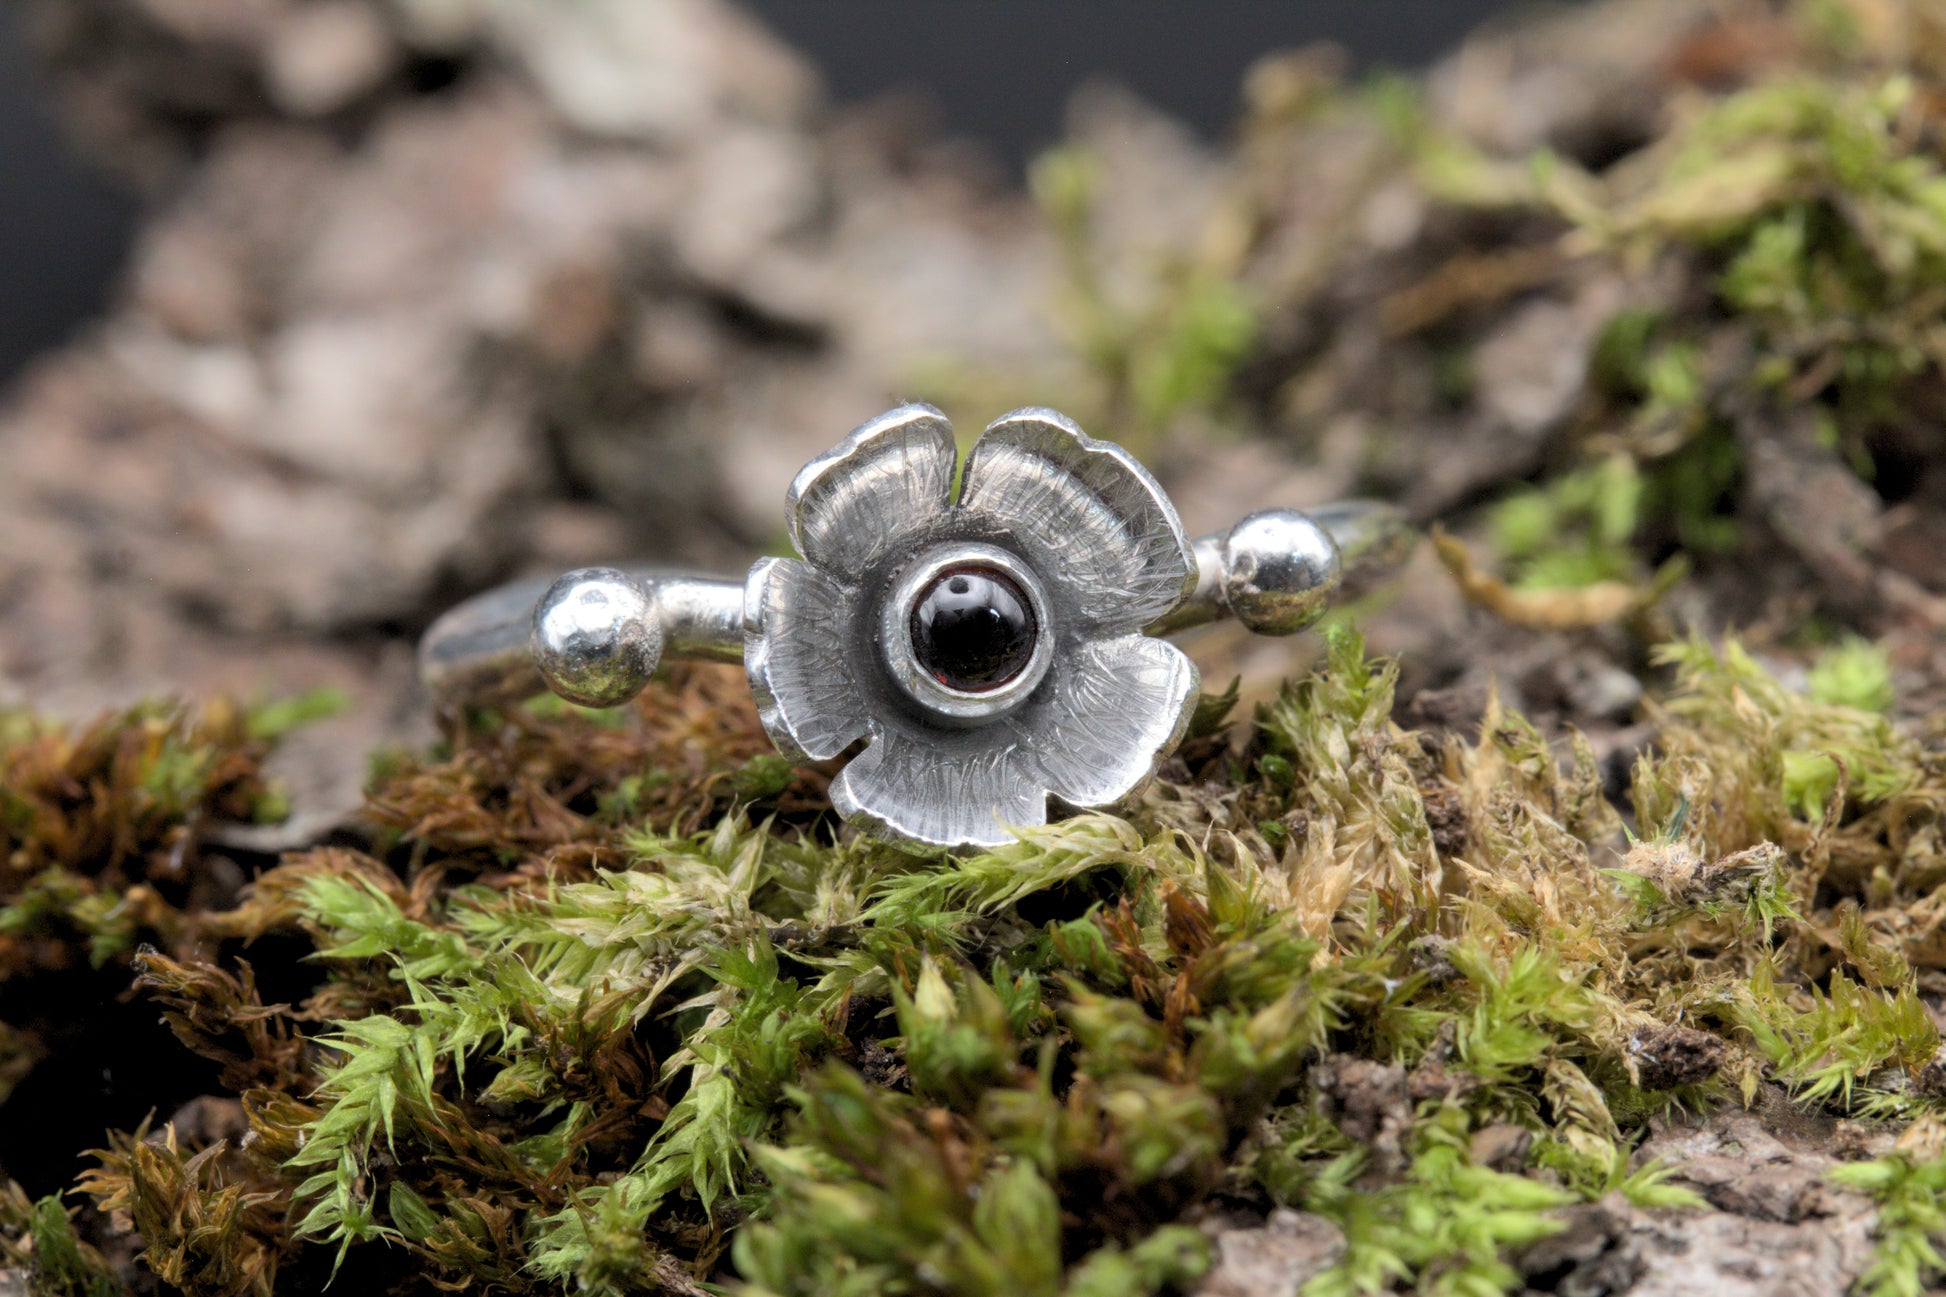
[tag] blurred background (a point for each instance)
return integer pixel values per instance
(324, 314)
(996, 75)
(224, 198)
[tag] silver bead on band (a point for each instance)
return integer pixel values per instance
(991, 648)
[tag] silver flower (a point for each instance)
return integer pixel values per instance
(987, 648)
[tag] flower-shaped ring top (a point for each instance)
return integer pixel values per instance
(987, 649)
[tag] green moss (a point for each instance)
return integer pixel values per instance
(1802, 753)
(1444, 1226)
(58, 1262)
(1805, 215)
(273, 719)
(658, 1036)
(1910, 1187)
(1849, 1032)
(1852, 673)
(1577, 530)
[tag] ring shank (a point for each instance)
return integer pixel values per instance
(1373, 539)
(478, 653)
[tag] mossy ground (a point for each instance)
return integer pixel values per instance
(607, 1004)
(600, 1005)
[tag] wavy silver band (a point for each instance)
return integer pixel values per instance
(1277, 571)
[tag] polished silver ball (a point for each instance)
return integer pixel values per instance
(1280, 570)
(596, 637)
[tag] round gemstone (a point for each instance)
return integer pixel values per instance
(973, 629)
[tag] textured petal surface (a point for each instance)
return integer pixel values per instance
(941, 793)
(851, 505)
(1097, 524)
(797, 650)
(1119, 706)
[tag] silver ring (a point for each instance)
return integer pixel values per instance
(989, 646)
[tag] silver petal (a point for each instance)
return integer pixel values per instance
(1119, 707)
(848, 507)
(798, 642)
(1095, 520)
(940, 792)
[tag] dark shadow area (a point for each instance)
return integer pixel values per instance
(64, 231)
(1003, 70)
(91, 1026)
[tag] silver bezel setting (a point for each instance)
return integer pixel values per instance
(940, 700)
(1077, 524)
